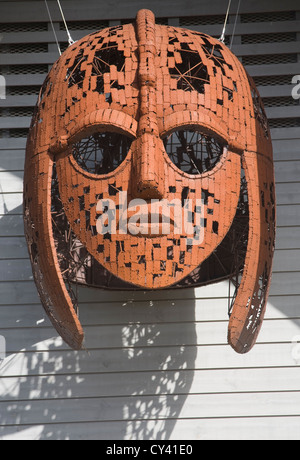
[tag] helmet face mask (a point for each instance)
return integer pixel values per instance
(149, 166)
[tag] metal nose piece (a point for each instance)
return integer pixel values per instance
(148, 152)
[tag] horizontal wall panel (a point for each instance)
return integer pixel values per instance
(19, 80)
(11, 203)
(145, 312)
(28, 58)
(287, 193)
(273, 69)
(266, 48)
(288, 260)
(285, 283)
(15, 122)
(119, 312)
(275, 91)
(12, 160)
(19, 101)
(287, 238)
(283, 112)
(18, 293)
(198, 382)
(285, 150)
(50, 358)
(12, 225)
(13, 248)
(44, 37)
(246, 28)
(288, 215)
(24, 315)
(124, 309)
(11, 182)
(11, 270)
(184, 334)
(253, 428)
(13, 143)
(136, 336)
(287, 134)
(240, 29)
(287, 171)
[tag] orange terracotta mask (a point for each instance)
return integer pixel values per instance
(149, 166)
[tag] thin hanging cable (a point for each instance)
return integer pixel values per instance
(235, 22)
(70, 39)
(222, 38)
(53, 28)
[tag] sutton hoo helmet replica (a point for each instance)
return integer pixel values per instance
(140, 122)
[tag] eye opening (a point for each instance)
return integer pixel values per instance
(102, 152)
(193, 151)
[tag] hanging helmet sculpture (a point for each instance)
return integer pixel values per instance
(146, 120)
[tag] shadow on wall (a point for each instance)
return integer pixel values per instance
(131, 384)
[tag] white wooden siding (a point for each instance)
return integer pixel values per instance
(157, 365)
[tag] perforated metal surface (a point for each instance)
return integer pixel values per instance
(285, 37)
(267, 59)
(275, 16)
(24, 27)
(24, 69)
(201, 20)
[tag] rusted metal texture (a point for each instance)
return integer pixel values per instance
(166, 115)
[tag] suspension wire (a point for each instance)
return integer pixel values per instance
(235, 22)
(53, 28)
(222, 38)
(70, 39)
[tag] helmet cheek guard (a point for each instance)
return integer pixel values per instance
(141, 120)
(43, 252)
(249, 304)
